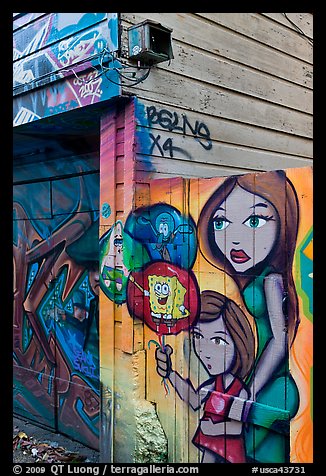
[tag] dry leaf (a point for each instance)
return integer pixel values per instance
(25, 443)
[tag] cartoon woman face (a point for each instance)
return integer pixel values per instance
(245, 228)
(214, 346)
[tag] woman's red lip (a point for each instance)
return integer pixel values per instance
(239, 256)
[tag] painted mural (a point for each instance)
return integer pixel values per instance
(56, 315)
(64, 51)
(220, 275)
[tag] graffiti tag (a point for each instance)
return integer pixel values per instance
(89, 85)
(83, 362)
(74, 48)
(172, 121)
(65, 106)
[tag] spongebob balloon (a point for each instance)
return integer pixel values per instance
(166, 299)
(165, 296)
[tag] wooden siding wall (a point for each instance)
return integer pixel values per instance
(247, 77)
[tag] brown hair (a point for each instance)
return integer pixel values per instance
(215, 305)
(278, 190)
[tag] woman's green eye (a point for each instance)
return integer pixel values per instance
(220, 224)
(255, 221)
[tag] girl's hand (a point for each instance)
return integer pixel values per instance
(163, 361)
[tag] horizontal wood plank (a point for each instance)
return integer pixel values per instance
(154, 115)
(193, 63)
(216, 39)
(223, 157)
(21, 19)
(304, 21)
(216, 101)
(161, 168)
(164, 144)
(235, 77)
(261, 29)
(53, 59)
(52, 28)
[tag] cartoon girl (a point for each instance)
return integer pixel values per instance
(224, 343)
(248, 228)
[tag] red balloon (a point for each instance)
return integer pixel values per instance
(165, 296)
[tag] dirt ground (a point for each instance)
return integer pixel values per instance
(33, 444)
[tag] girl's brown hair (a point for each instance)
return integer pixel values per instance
(215, 305)
(278, 190)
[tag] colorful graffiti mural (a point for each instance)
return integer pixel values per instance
(56, 315)
(223, 288)
(64, 49)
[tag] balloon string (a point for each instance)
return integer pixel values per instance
(154, 342)
(160, 341)
(161, 344)
(163, 341)
(166, 387)
(165, 381)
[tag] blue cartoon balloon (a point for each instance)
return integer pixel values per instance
(165, 232)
